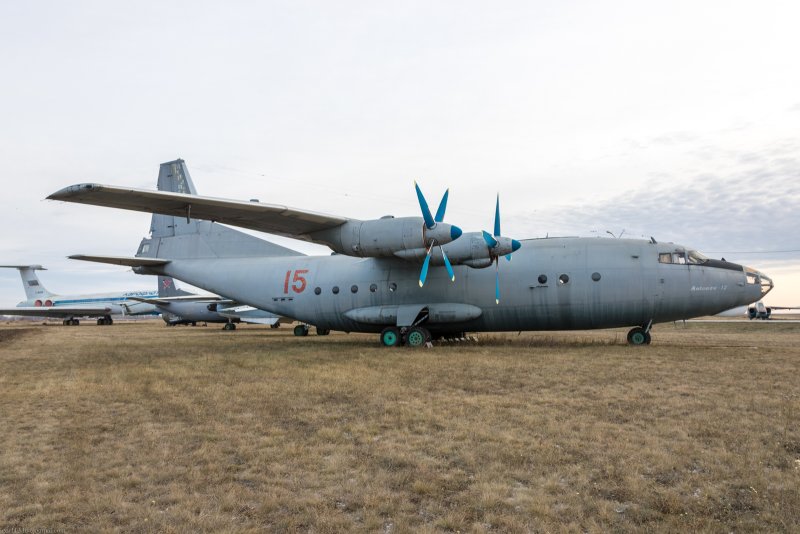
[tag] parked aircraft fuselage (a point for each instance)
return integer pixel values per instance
(551, 284)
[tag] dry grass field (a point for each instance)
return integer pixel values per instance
(138, 427)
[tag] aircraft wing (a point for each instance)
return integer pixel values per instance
(249, 314)
(166, 301)
(56, 311)
(269, 218)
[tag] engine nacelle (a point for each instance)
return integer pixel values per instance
(470, 249)
(385, 237)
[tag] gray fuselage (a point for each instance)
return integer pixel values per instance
(551, 284)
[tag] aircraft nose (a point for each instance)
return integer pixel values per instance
(759, 279)
(766, 284)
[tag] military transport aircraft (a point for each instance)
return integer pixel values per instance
(374, 281)
(42, 303)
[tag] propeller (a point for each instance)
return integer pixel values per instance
(436, 232)
(499, 246)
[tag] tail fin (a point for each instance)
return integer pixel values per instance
(34, 290)
(174, 177)
(167, 288)
(181, 238)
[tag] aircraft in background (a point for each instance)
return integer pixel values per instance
(757, 310)
(42, 303)
(182, 307)
(411, 278)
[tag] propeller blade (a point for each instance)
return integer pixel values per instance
(491, 242)
(442, 207)
(424, 273)
(515, 246)
(497, 284)
(448, 266)
(423, 205)
(497, 217)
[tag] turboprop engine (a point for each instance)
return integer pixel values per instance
(386, 236)
(389, 236)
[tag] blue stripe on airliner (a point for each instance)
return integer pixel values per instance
(105, 299)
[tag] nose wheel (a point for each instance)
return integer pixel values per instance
(638, 336)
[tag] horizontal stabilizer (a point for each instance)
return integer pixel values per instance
(270, 218)
(31, 267)
(121, 260)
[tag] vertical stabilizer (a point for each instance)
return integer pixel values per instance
(34, 290)
(167, 288)
(178, 238)
(174, 177)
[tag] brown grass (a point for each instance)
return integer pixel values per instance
(138, 427)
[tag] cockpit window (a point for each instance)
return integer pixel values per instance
(696, 258)
(672, 257)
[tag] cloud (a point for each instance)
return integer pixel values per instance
(755, 208)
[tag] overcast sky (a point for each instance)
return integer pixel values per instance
(679, 120)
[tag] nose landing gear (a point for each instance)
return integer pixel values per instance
(640, 335)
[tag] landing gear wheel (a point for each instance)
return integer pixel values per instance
(229, 326)
(276, 325)
(638, 336)
(101, 321)
(417, 337)
(323, 331)
(301, 330)
(73, 322)
(390, 336)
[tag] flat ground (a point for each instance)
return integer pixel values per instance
(139, 427)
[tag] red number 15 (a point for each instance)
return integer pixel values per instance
(298, 281)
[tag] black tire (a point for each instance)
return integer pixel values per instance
(637, 336)
(390, 337)
(417, 337)
(301, 330)
(323, 331)
(101, 321)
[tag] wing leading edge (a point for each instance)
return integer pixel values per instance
(269, 218)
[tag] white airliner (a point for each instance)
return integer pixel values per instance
(42, 303)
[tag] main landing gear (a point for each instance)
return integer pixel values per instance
(105, 321)
(416, 336)
(640, 335)
(229, 326)
(70, 322)
(302, 330)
